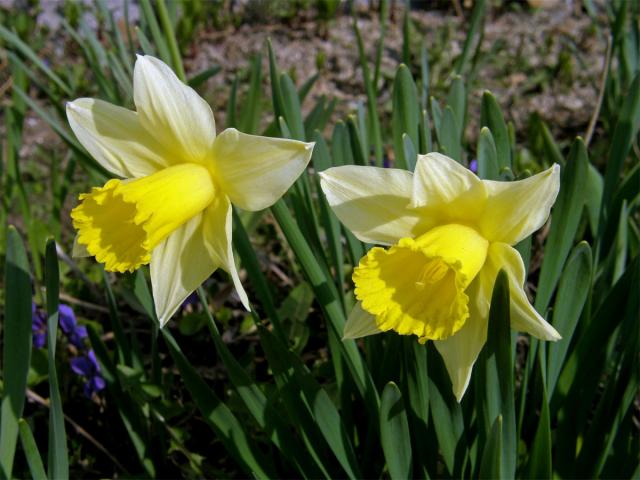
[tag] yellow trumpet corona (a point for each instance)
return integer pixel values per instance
(449, 234)
(172, 207)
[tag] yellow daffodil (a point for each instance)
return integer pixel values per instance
(172, 209)
(449, 233)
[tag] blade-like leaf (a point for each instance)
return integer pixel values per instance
(58, 465)
(30, 448)
(491, 117)
(491, 465)
(572, 294)
(405, 115)
(487, 156)
(394, 432)
(494, 371)
(565, 218)
(16, 355)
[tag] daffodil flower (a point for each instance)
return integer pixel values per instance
(172, 208)
(449, 233)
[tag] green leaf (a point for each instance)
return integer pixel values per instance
(292, 376)
(426, 144)
(491, 117)
(276, 91)
(20, 46)
(170, 37)
(487, 156)
(629, 191)
(623, 134)
(341, 146)
(329, 300)
(219, 417)
(250, 113)
(475, 27)
(359, 154)
(307, 85)
(449, 135)
(295, 310)
(540, 462)
(405, 114)
(30, 448)
(292, 111)
(436, 113)
(264, 412)
(321, 161)
(593, 196)
(416, 386)
(410, 154)
(16, 355)
(424, 75)
(446, 414)
(149, 17)
(258, 281)
(565, 218)
(372, 102)
(575, 285)
(494, 376)
(491, 466)
(394, 432)
(457, 100)
(58, 465)
(200, 78)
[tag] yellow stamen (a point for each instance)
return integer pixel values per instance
(121, 222)
(416, 287)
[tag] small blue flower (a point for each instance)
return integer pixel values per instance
(87, 366)
(473, 166)
(38, 327)
(191, 300)
(69, 325)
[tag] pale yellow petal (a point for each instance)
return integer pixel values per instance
(217, 233)
(254, 171)
(360, 324)
(439, 180)
(173, 112)
(373, 202)
(115, 138)
(514, 210)
(179, 265)
(461, 350)
(524, 317)
(446, 192)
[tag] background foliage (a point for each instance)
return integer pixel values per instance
(220, 393)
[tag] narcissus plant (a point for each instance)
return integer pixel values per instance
(449, 234)
(172, 207)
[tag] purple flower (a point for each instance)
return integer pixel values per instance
(87, 366)
(473, 166)
(69, 325)
(191, 300)
(38, 327)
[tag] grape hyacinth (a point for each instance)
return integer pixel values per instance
(85, 364)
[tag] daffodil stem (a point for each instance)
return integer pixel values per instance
(176, 58)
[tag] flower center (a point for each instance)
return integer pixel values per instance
(123, 221)
(417, 287)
